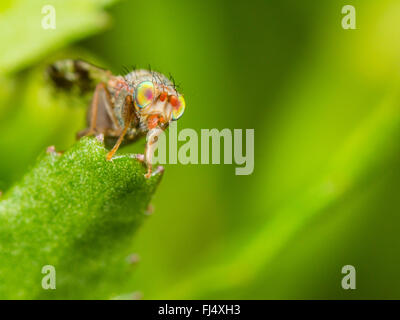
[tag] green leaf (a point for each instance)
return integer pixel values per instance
(24, 40)
(77, 212)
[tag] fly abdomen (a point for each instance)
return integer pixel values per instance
(69, 74)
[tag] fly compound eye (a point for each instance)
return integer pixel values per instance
(178, 108)
(144, 94)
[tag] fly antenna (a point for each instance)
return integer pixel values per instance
(173, 81)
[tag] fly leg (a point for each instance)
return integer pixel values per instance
(93, 112)
(100, 116)
(151, 145)
(128, 118)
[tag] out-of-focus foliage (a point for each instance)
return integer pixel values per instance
(324, 103)
(25, 39)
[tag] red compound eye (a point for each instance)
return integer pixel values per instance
(173, 100)
(163, 96)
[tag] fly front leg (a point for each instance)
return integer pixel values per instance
(151, 145)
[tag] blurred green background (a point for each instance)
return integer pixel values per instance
(323, 101)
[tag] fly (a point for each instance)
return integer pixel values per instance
(123, 108)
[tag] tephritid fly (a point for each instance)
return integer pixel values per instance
(123, 107)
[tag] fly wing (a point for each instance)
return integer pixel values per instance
(105, 119)
(69, 74)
